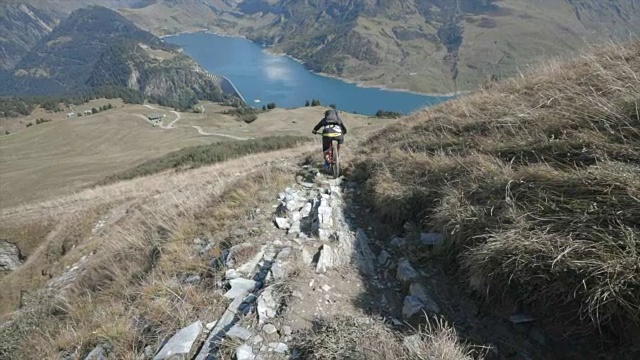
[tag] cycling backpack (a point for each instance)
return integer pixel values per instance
(331, 117)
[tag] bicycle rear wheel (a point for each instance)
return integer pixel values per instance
(336, 159)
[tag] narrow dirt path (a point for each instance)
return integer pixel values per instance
(202, 132)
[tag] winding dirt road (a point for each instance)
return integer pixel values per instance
(172, 125)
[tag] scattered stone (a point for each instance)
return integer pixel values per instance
(295, 216)
(397, 322)
(307, 258)
(326, 288)
(231, 274)
(245, 352)
(412, 306)
(398, 242)
(419, 291)
(211, 325)
(279, 347)
(99, 353)
(182, 343)
(384, 259)
(10, 257)
(431, 239)
(406, 272)
(240, 288)
(269, 329)
(267, 305)
(306, 210)
(286, 330)
(283, 223)
(284, 254)
(257, 339)
(327, 259)
(277, 272)
(521, 318)
(250, 266)
(239, 332)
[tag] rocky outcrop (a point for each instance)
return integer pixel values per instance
(10, 256)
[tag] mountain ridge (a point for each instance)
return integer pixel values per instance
(96, 48)
(427, 46)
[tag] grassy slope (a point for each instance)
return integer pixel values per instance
(536, 183)
(64, 155)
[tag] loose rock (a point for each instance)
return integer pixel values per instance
(269, 329)
(412, 306)
(283, 223)
(327, 259)
(231, 274)
(240, 288)
(431, 239)
(239, 332)
(182, 343)
(279, 347)
(99, 353)
(245, 352)
(10, 257)
(419, 291)
(267, 305)
(406, 272)
(384, 259)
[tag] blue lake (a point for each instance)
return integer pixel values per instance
(259, 75)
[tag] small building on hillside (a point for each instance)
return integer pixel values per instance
(88, 112)
(156, 117)
(70, 115)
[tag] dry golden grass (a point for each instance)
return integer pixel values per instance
(129, 294)
(63, 156)
(347, 337)
(536, 183)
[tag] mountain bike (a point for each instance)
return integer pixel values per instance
(334, 158)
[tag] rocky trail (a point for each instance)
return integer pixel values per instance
(316, 263)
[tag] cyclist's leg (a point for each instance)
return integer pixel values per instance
(340, 142)
(326, 146)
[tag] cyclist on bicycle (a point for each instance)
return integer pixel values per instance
(332, 129)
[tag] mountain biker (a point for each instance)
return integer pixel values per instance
(332, 129)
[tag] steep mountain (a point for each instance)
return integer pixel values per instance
(423, 45)
(21, 26)
(96, 48)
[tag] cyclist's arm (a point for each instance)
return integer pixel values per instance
(318, 126)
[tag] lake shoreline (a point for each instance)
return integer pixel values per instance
(358, 83)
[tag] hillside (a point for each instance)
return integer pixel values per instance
(428, 46)
(45, 161)
(500, 225)
(535, 184)
(21, 26)
(96, 48)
